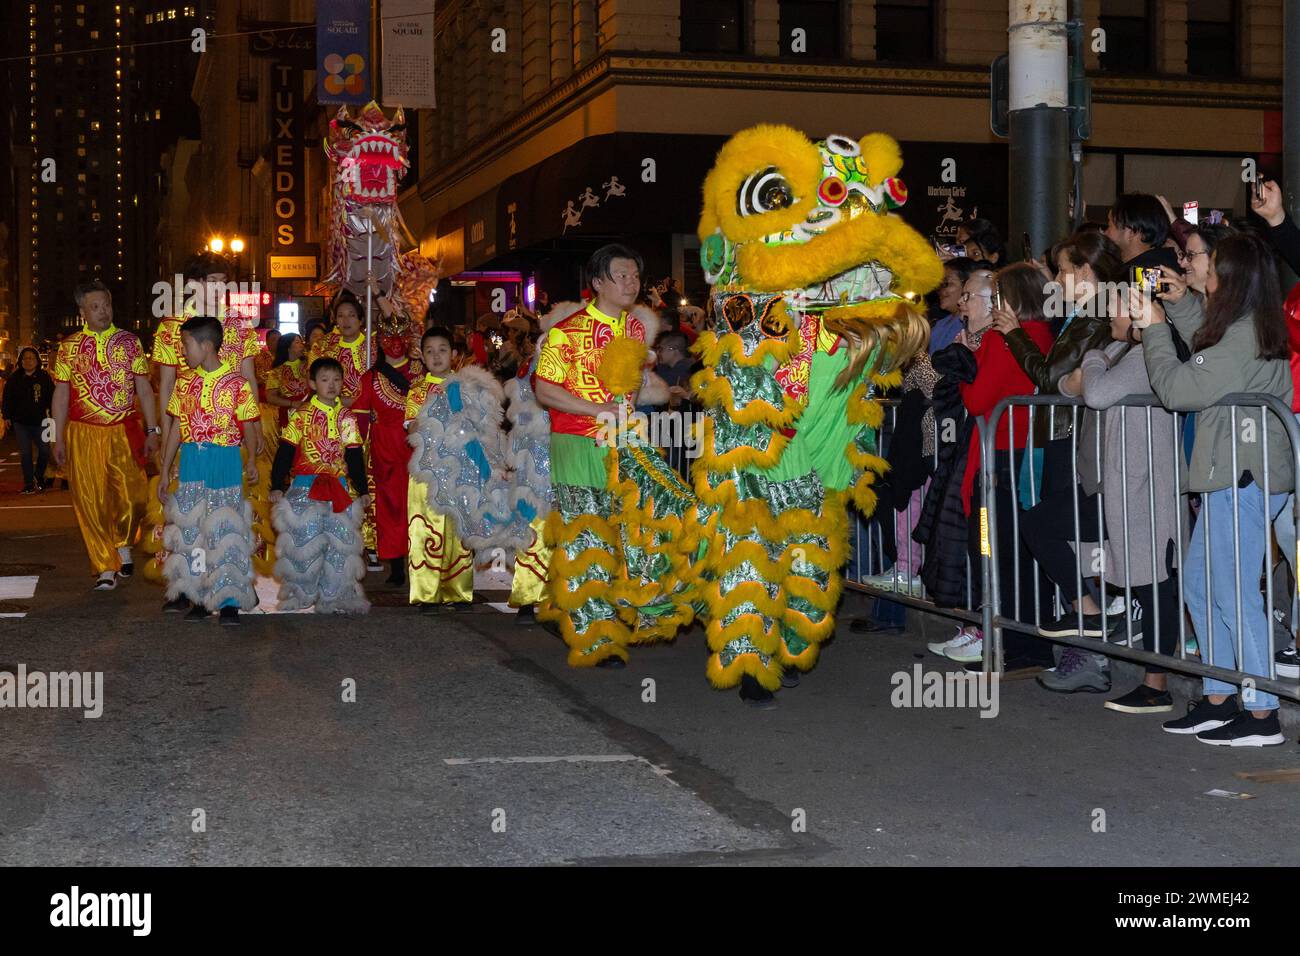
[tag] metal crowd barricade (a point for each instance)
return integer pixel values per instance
(870, 556)
(1203, 664)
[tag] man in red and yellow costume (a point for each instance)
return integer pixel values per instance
(381, 398)
(98, 374)
(619, 568)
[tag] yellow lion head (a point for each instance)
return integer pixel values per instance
(808, 227)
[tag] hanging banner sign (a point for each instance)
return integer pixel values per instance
(408, 53)
(343, 51)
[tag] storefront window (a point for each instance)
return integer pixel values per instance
(820, 22)
(712, 26)
(905, 31)
(1127, 26)
(1211, 38)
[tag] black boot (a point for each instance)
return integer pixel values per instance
(755, 694)
(527, 616)
(397, 576)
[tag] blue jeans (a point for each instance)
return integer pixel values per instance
(1215, 618)
(29, 437)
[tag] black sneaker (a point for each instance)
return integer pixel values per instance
(1246, 731)
(1287, 662)
(178, 606)
(27, 490)
(1202, 716)
(613, 663)
(128, 569)
(197, 613)
(1067, 625)
(790, 677)
(527, 616)
(230, 617)
(755, 694)
(1142, 700)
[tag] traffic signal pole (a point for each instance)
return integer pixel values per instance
(1039, 124)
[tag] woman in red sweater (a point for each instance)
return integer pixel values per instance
(998, 375)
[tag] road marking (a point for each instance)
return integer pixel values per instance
(15, 588)
(570, 758)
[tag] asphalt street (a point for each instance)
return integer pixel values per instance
(471, 742)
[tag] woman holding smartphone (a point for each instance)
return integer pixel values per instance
(997, 375)
(1238, 338)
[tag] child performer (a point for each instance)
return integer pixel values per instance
(439, 567)
(318, 523)
(209, 523)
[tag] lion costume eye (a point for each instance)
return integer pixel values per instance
(762, 192)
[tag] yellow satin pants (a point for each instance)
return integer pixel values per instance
(439, 567)
(108, 491)
(531, 566)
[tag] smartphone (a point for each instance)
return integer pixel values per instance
(1029, 250)
(1146, 278)
(1258, 186)
(997, 299)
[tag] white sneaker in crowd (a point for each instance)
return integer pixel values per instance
(969, 650)
(941, 647)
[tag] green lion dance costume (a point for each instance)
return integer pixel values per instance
(811, 276)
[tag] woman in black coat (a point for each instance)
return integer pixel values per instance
(26, 409)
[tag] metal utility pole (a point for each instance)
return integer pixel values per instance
(1039, 123)
(1291, 109)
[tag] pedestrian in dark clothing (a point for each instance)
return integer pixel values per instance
(27, 397)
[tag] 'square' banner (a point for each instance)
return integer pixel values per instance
(343, 51)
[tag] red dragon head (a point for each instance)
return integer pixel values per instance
(369, 154)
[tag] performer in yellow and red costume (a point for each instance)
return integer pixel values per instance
(619, 568)
(318, 516)
(440, 568)
(98, 374)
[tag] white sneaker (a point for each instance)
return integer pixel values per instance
(962, 635)
(968, 649)
(896, 580)
(107, 581)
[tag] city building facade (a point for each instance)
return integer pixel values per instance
(596, 119)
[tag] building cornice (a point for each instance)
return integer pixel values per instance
(612, 69)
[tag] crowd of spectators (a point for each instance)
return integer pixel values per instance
(1101, 504)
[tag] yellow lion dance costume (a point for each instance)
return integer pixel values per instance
(812, 284)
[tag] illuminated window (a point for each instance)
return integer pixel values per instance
(94, 125)
(94, 34)
(148, 18)
(157, 114)
(81, 151)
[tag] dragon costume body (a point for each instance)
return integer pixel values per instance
(812, 285)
